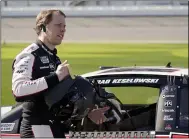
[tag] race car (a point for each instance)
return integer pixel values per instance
(168, 117)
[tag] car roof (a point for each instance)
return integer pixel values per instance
(139, 70)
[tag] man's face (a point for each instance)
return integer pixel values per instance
(56, 29)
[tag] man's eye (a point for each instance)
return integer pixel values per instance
(58, 25)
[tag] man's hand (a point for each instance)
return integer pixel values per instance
(62, 70)
(97, 115)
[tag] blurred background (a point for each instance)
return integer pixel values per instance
(102, 33)
(101, 20)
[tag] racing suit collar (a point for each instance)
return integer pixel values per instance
(41, 44)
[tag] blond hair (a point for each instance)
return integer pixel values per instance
(45, 17)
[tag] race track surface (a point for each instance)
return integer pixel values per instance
(120, 29)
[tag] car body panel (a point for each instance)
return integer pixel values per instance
(149, 76)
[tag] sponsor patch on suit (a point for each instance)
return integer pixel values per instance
(44, 59)
(52, 66)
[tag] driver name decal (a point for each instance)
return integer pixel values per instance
(128, 80)
(104, 81)
(137, 80)
(7, 126)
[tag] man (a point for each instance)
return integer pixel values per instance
(37, 69)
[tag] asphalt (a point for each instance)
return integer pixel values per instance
(114, 29)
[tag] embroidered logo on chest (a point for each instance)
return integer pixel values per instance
(44, 59)
(52, 67)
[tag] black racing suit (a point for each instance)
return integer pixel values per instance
(34, 74)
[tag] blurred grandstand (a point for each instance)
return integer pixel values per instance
(98, 7)
(93, 3)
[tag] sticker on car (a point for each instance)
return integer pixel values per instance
(7, 126)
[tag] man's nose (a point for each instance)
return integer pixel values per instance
(63, 29)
